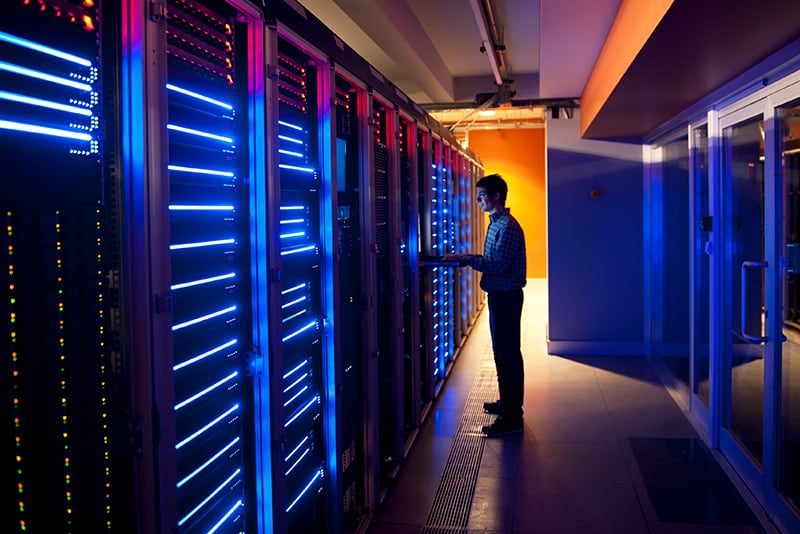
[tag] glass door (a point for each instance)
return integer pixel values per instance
(702, 226)
(744, 312)
(788, 443)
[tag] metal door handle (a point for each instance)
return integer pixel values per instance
(743, 316)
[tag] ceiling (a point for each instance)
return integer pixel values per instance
(431, 50)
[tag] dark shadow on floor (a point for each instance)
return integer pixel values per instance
(686, 484)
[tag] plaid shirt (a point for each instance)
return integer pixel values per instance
(503, 261)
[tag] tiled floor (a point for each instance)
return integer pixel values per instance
(605, 450)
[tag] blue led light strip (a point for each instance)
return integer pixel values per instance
(198, 96)
(292, 126)
(290, 139)
(31, 45)
(293, 234)
(290, 153)
(297, 462)
(225, 517)
(311, 482)
(207, 426)
(203, 318)
(297, 448)
(206, 391)
(49, 104)
(198, 207)
(310, 403)
(197, 170)
(192, 131)
(296, 369)
(294, 316)
(298, 250)
(208, 462)
(295, 168)
(295, 396)
(205, 501)
(295, 288)
(205, 355)
(295, 301)
(202, 244)
(31, 73)
(300, 331)
(54, 132)
(296, 382)
(203, 281)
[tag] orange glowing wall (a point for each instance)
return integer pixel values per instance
(632, 26)
(518, 156)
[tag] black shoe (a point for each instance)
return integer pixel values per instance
(494, 408)
(503, 426)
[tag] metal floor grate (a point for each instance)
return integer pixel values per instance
(449, 513)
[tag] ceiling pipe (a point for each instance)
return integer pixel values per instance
(487, 39)
(573, 102)
(497, 39)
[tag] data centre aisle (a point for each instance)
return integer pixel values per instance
(605, 448)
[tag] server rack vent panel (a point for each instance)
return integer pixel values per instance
(61, 466)
(302, 283)
(407, 246)
(205, 212)
(381, 169)
(349, 319)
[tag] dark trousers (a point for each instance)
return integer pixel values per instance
(505, 315)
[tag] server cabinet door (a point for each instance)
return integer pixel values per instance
(409, 263)
(208, 248)
(389, 394)
(300, 349)
(64, 462)
(352, 327)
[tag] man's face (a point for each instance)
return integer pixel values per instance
(487, 203)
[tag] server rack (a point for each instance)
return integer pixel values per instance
(464, 276)
(409, 264)
(353, 332)
(386, 206)
(65, 454)
(425, 172)
(304, 470)
(190, 74)
(225, 216)
(449, 243)
(435, 286)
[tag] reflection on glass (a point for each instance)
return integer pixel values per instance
(744, 210)
(789, 446)
(702, 233)
(676, 248)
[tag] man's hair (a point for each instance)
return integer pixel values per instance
(494, 183)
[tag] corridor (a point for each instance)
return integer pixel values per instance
(605, 448)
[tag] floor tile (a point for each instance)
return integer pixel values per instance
(597, 454)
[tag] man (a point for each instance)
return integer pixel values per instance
(503, 267)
